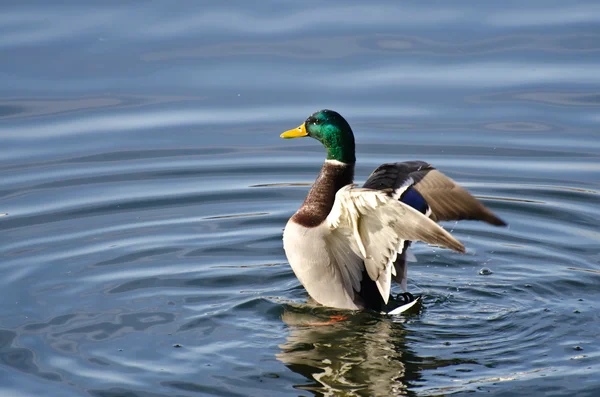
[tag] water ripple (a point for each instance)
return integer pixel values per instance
(144, 189)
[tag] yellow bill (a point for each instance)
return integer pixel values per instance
(295, 133)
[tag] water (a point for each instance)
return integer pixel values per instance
(144, 189)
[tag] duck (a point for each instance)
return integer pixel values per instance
(346, 244)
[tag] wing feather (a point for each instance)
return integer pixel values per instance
(373, 227)
(447, 200)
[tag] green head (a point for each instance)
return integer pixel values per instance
(332, 130)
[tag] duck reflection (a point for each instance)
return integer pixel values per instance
(364, 354)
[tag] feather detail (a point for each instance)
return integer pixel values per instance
(399, 191)
(446, 200)
(375, 227)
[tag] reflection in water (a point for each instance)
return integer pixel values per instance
(144, 189)
(363, 354)
(366, 354)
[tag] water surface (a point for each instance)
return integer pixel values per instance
(144, 189)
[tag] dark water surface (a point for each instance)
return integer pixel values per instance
(144, 189)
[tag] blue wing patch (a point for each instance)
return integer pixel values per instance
(414, 199)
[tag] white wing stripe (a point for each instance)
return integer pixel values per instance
(400, 190)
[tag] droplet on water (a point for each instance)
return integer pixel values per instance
(485, 271)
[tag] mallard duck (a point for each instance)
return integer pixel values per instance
(346, 244)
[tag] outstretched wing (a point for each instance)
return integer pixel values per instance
(374, 226)
(446, 200)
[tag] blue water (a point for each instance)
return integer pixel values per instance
(144, 189)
